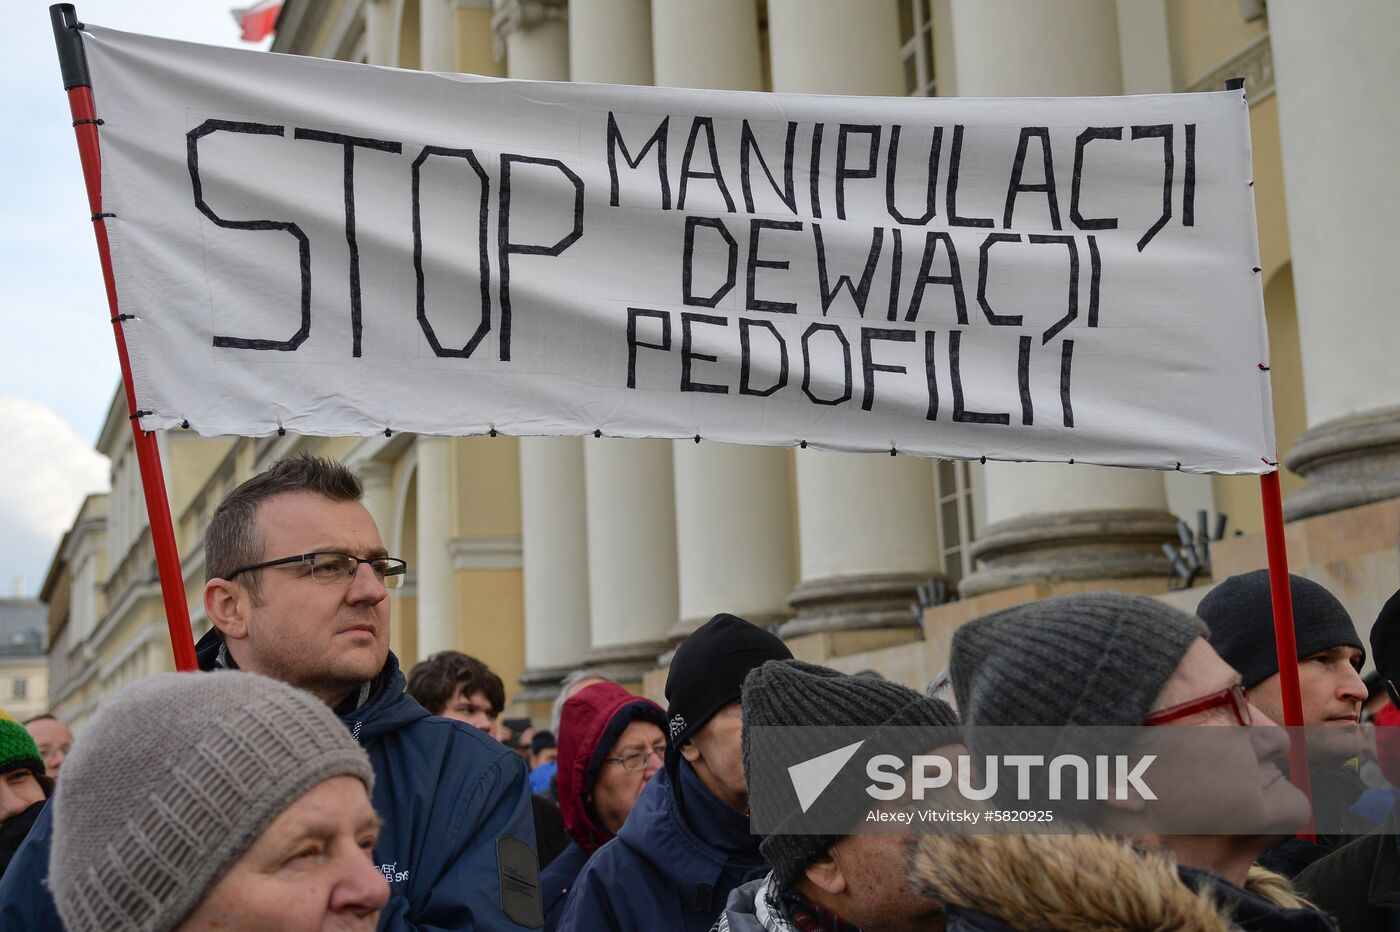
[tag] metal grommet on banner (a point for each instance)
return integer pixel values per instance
(893, 451)
(493, 430)
(1251, 182)
(388, 432)
(185, 424)
(984, 461)
(1071, 461)
(802, 444)
(281, 431)
(598, 434)
(697, 438)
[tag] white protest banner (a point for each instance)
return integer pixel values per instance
(342, 249)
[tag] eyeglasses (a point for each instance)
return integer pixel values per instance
(637, 760)
(1232, 696)
(338, 567)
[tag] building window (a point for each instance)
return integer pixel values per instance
(916, 52)
(952, 486)
(20, 688)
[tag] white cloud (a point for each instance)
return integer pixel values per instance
(48, 470)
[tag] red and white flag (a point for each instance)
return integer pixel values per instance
(259, 20)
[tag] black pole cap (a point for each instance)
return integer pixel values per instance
(72, 60)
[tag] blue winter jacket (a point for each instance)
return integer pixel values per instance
(671, 867)
(557, 880)
(457, 845)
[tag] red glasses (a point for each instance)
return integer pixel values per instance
(1232, 696)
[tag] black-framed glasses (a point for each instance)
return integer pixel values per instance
(329, 566)
(637, 760)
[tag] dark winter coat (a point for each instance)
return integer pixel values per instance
(457, 845)
(1359, 883)
(13, 833)
(1336, 791)
(589, 725)
(1079, 883)
(671, 867)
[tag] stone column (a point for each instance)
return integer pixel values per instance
(378, 480)
(1048, 522)
(734, 530)
(632, 588)
(1336, 66)
(610, 41)
(866, 522)
(436, 602)
(381, 36)
(436, 37)
(534, 35)
(554, 532)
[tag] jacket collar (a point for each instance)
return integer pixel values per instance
(1384, 891)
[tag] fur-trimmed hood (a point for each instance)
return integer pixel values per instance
(1066, 883)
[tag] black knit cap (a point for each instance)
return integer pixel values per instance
(707, 673)
(1385, 641)
(794, 693)
(1240, 615)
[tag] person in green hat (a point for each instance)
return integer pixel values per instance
(24, 787)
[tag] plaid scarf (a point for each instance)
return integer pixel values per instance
(806, 916)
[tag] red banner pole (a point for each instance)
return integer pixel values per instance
(76, 82)
(1285, 642)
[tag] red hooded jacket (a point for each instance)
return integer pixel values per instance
(591, 721)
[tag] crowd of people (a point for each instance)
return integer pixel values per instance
(303, 781)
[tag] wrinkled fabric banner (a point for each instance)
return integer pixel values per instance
(343, 249)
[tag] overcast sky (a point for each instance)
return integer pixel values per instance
(58, 364)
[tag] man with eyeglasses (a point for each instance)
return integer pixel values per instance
(297, 589)
(610, 745)
(1239, 613)
(1109, 660)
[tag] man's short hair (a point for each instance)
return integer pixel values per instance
(39, 718)
(433, 682)
(232, 539)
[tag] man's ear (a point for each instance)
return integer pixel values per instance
(226, 605)
(825, 873)
(690, 752)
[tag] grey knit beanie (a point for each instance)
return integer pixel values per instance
(1100, 658)
(174, 779)
(794, 693)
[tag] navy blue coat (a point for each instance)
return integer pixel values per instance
(659, 872)
(450, 798)
(557, 880)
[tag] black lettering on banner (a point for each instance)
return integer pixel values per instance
(930, 374)
(746, 356)
(807, 364)
(860, 294)
(350, 143)
(1164, 132)
(303, 243)
(1047, 187)
(1066, 358)
(633, 313)
(935, 149)
(1023, 379)
(657, 139)
(485, 269)
(869, 366)
(842, 171)
(688, 262)
(1073, 311)
(896, 270)
(1080, 143)
(954, 167)
(1095, 272)
(953, 279)
(507, 247)
(1188, 179)
(687, 356)
(748, 145)
(756, 226)
(960, 414)
(815, 174)
(706, 125)
(993, 318)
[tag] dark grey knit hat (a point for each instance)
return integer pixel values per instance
(791, 692)
(1240, 615)
(1100, 658)
(174, 779)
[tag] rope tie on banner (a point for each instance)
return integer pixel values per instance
(697, 438)
(893, 451)
(135, 415)
(97, 122)
(101, 216)
(984, 460)
(388, 432)
(185, 424)
(1263, 368)
(1266, 462)
(1257, 270)
(802, 444)
(598, 434)
(493, 430)
(123, 317)
(1178, 465)
(281, 431)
